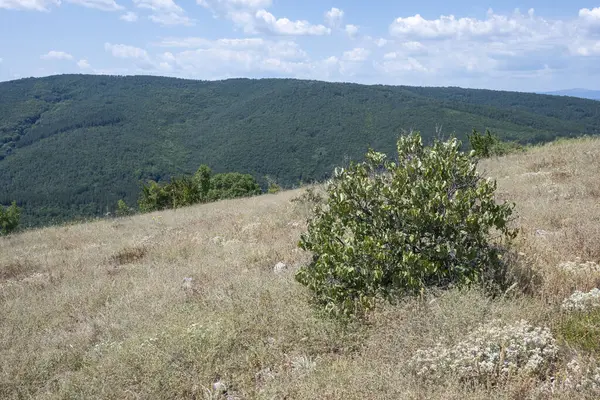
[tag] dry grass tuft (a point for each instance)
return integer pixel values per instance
(128, 255)
(17, 269)
(198, 312)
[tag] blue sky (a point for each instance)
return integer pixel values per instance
(532, 46)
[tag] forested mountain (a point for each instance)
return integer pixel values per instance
(72, 145)
(583, 93)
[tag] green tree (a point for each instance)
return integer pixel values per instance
(9, 218)
(231, 185)
(123, 210)
(391, 228)
(202, 179)
(153, 197)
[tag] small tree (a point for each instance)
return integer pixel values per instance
(387, 229)
(202, 180)
(123, 209)
(9, 218)
(273, 187)
(153, 197)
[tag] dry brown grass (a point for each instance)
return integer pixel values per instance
(101, 310)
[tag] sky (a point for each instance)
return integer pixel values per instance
(524, 46)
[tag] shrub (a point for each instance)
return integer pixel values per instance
(153, 197)
(202, 180)
(231, 185)
(490, 354)
(489, 145)
(123, 209)
(9, 218)
(393, 228)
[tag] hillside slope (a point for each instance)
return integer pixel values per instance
(102, 310)
(72, 145)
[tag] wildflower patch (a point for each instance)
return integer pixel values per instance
(492, 353)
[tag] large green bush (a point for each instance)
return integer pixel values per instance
(9, 218)
(390, 228)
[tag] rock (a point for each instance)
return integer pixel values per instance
(220, 387)
(280, 267)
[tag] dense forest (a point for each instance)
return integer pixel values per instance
(71, 146)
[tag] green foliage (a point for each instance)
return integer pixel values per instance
(123, 210)
(123, 130)
(9, 218)
(231, 185)
(388, 229)
(489, 145)
(202, 179)
(581, 330)
(273, 187)
(202, 187)
(153, 197)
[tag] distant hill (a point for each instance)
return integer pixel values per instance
(582, 93)
(72, 145)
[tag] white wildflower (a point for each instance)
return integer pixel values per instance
(580, 301)
(493, 351)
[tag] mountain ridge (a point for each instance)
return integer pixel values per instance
(72, 145)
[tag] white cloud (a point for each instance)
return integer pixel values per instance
(381, 42)
(266, 22)
(351, 30)
(229, 4)
(129, 17)
(390, 56)
(103, 5)
(32, 5)
(281, 49)
(165, 12)
(171, 18)
(394, 66)
(56, 55)
(83, 64)
(125, 51)
(357, 54)
(1, 60)
(590, 15)
(590, 49)
(334, 17)
(158, 5)
(450, 26)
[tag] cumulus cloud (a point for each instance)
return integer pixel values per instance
(334, 17)
(450, 26)
(83, 64)
(351, 30)
(356, 54)
(129, 17)
(590, 15)
(268, 23)
(165, 12)
(103, 5)
(171, 18)
(56, 55)
(381, 42)
(31, 5)
(125, 51)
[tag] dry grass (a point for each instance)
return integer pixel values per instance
(103, 310)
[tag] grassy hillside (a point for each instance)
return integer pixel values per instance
(103, 310)
(72, 145)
